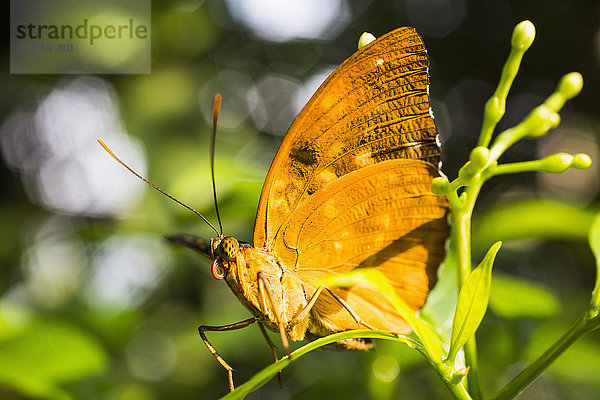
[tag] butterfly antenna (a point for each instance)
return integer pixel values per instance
(154, 186)
(213, 133)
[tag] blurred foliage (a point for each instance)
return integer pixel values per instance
(94, 305)
(518, 298)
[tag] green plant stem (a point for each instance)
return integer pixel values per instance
(472, 360)
(583, 325)
(461, 235)
(506, 139)
(461, 232)
(458, 389)
(518, 167)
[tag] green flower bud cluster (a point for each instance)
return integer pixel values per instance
(475, 284)
(483, 160)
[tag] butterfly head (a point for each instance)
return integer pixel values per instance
(224, 251)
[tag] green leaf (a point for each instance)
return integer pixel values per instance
(377, 280)
(515, 298)
(270, 371)
(472, 302)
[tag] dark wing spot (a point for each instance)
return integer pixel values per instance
(304, 154)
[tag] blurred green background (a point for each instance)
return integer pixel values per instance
(94, 304)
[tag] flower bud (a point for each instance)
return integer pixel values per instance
(556, 163)
(540, 120)
(523, 35)
(365, 39)
(440, 186)
(479, 157)
(581, 161)
(570, 85)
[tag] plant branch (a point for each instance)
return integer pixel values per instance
(461, 235)
(529, 374)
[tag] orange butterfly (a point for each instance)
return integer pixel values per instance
(349, 188)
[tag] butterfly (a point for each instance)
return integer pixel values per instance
(349, 188)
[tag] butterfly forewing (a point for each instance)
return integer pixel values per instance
(373, 107)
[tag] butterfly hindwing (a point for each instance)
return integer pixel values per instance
(383, 216)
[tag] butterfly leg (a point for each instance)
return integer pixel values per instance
(274, 349)
(237, 325)
(265, 293)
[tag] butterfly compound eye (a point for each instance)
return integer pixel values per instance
(229, 248)
(215, 244)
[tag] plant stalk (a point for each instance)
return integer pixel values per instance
(461, 232)
(472, 360)
(529, 374)
(461, 235)
(458, 390)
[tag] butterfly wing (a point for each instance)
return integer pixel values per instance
(372, 109)
(382, 216)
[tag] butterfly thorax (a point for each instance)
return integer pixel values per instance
(267, 289)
